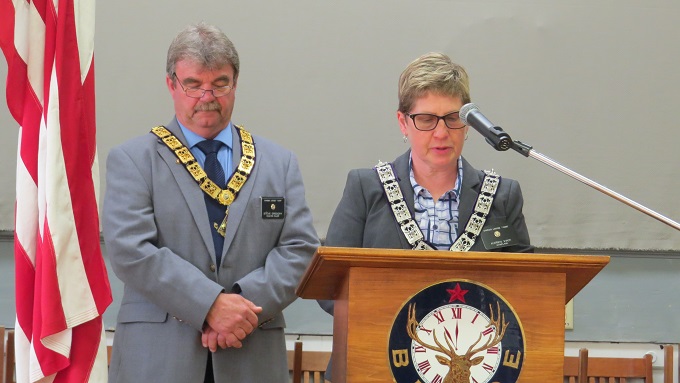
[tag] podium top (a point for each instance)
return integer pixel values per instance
(330, 264)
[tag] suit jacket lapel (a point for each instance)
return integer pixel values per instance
(193, 195)
(468, 195)
(401, 167)
(238, 207)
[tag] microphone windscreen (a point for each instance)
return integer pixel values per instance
(465, 111)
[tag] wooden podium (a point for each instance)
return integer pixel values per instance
(370, 286)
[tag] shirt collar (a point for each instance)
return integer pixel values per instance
(192, 138)
(418, 188)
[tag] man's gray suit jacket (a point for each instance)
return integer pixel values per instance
(158, 240)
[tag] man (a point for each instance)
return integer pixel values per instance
(210, 243)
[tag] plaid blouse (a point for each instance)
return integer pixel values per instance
(438, 220)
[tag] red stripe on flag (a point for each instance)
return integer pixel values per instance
(47, 302)
(82, 361)
(23, 271)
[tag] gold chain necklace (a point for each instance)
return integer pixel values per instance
(236, 181)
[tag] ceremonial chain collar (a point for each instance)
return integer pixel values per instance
(412, 232)
(236, 181)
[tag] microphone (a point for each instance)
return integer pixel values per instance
(494, 135)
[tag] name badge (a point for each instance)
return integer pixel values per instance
(273, 207)
(498, 234)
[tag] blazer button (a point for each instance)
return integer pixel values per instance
(212, 268)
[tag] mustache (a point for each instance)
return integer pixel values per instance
(208, 107)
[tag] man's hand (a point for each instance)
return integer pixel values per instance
(230, 319)
(211, 339)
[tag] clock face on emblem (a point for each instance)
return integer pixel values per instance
(456, 331)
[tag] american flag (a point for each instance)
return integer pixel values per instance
(62, 287)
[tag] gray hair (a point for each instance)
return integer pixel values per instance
(432, 72)
(203, 44)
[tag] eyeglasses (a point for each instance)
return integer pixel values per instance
(200, 92)
(426, 121)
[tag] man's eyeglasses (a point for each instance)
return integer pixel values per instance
(426, 121)
(199, 92)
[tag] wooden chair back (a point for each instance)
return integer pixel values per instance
(611, 370)
(109, 351)
(8, 375)
(576, 367)
(668, 363)
(295, 362)
(307, 366)
(626, 368)
(2, 354)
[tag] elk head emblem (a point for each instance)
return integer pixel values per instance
(459, 365)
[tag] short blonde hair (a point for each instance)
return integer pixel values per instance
(432, 72)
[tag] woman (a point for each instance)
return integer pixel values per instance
(428, 197)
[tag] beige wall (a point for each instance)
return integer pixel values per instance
(592, 84)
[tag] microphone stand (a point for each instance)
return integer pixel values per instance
(528, 151)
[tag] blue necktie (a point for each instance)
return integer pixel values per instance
(216, 211)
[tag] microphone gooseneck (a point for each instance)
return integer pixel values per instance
(496, 137)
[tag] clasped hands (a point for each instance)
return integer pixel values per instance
(230, 319)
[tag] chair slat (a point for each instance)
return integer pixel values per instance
(668, 363)
(9, 358)
(2, 354)
(297, 362)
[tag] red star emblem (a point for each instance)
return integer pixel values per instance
(457, 294)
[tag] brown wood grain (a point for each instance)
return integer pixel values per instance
(371, 285)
